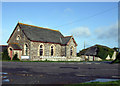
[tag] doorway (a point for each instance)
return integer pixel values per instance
(11, 53)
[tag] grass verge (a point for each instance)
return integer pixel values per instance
(110, 83)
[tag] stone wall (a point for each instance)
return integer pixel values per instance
(59, 50)
(23, 39)
(63, 50)
(55, 58)
(34, 51)
(71, 43)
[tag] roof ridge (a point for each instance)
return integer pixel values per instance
(38, 27)
(67, 36)
(13, 43)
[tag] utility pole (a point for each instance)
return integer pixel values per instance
(84, 53)
(84, 44)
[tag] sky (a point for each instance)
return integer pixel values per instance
(89, 22)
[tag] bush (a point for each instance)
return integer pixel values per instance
(5, 55)
(104, 51)
(15, 57)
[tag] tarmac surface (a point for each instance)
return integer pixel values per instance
(57, 72)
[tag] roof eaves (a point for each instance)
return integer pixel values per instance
(39, 27)
(12, 33)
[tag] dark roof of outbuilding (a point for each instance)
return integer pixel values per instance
(92, 51)
(15, 46)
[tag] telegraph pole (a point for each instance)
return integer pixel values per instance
(84, 48)
(84, 44)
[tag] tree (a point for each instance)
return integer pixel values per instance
(5, 55)
(16, 57)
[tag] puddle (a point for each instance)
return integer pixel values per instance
(3, 73)
(6, 80)
(103, 80)
(4, 76)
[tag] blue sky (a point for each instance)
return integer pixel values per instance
(92, 22)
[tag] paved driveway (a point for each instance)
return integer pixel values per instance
(56, 73)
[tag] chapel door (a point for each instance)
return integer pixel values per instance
(10, 53)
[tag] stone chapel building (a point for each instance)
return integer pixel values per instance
(38, 42)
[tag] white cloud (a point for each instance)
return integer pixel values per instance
(108, 33)
(81, 32)
(68, 10)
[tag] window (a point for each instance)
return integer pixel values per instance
(52, 51)
(41, 50)
(71, 51)
(18, 37)
(18, 29)
(26, 49)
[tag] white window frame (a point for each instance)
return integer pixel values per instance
(25, 49)
(39, 49)
(53, 50)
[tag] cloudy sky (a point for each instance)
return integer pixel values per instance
(92, 22)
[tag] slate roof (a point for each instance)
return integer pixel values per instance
(92, 51)
(35, 33)
(65, 40)
(15, 46)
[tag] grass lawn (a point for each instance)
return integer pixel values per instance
(110, 83)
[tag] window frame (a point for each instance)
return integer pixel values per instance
(18, 37)
(41, 48)
(26, 49)
(52, 50)
(71, 50)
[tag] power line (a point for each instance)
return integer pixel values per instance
(86, 17)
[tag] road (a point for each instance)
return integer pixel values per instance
(57, 73)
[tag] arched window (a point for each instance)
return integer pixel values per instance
(52, 51)
(41, 50)
(18, 29)
(71, 51)
(18, 37)
(26, 49)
